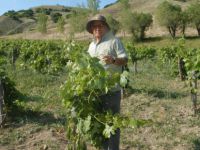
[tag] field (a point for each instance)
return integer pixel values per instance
(39, 120)
(52, 86)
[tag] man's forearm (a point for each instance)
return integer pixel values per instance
(120, 61)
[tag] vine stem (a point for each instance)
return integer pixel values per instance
(193, 91)
(98, 120)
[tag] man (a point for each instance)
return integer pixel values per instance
(112, 55)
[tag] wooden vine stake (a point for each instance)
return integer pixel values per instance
(181, 67)
(14, 57)
(1, 103)
(194, 91)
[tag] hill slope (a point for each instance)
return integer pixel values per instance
(23, 26)
(145, 6)
(7, 24)
(149, 6)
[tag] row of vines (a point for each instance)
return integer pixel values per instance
(8, 92)
(42, 56)
(87, 80)
(184, 62)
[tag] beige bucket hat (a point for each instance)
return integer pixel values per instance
(97, 17)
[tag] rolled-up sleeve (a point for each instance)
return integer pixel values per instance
(119, 49)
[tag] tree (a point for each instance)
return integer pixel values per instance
(194, 15)
(12, 14)
(93, 5)
(113, 23)
(46, 11)
(60, 24)
(78, 22)
(169, 16)
(184, 21)
(55, 17)
(26, 13)
(124, 14)
(42, 23)
(143, 22)
(124, 19)
(124, 4)
(135, 23)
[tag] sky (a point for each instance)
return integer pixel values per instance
(16, 5)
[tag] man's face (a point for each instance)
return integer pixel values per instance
(98, 29)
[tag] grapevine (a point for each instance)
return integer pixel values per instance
(86, 82)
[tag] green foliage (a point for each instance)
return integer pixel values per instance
(22, 13)
(178, 52)
(135, 23)
(124, 4)
(191, 57)
(140, 23)
(10, 92)
(125, 16)
(26, 13)
(55, 17)
(46, 11)
(194, 15)
(42, 23)
(113, 23)
(86, 81)
(124, 79)
(78, 22)
(140, 53)
(169, 16)
(125, 19)
(184, 21)
(10, 49)
(93, 5)
(168, 55)
(42, 56)
(60, 24)
(12, 14)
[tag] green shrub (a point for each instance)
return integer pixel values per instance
(55, 17)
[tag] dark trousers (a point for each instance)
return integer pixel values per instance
(111, 102)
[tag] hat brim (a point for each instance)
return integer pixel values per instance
(89, 25)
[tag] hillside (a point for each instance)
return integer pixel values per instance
(27, 28)
(7, 24)
(56, 7)
(23, 23)
(145, 6)
(149, 6)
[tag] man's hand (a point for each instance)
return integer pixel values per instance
(108, 59)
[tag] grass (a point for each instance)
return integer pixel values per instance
(159, 42)
(155, 95)
(39, 121)
(39, 111)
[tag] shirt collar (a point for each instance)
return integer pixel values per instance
(106, 36)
